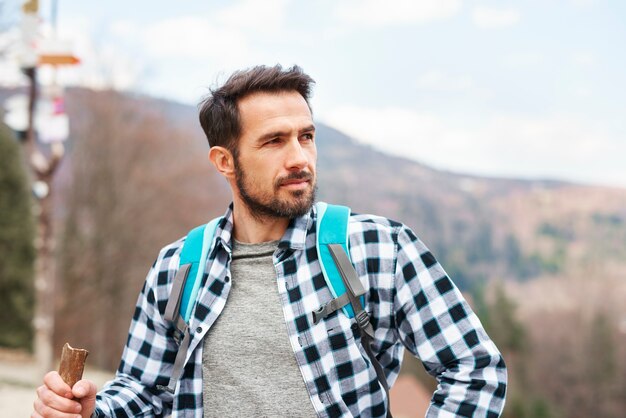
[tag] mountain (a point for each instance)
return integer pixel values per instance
(480, 228)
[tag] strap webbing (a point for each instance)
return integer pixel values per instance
(355, 289)
(185, 290)
(332, 228)
(172, 307)
(179, 363)
(332, 306)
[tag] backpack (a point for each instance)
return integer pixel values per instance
(332, 252)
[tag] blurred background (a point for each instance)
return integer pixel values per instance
(494, 129)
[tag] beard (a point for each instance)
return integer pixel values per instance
(264, 204)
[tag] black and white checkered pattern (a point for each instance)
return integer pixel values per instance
(412, 302)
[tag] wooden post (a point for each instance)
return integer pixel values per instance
(43, 322)
(42, 171)
(43, 166)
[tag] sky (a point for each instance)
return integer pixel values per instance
(527, 89)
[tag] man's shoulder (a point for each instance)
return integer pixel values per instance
(169, 254)
(362, 222)
(365, 229)
(370, 222)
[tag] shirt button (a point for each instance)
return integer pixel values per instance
(199, 330)
(227, 279)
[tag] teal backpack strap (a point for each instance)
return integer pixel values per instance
(184, 293)
(332, 228)
(195, 252)
(187, 281)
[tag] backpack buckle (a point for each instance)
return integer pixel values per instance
(321, 313)
(180, 330)
(330, 307)
(362, 319)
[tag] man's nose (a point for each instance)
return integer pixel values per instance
(296, 156)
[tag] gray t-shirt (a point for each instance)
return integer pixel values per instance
(248, 365)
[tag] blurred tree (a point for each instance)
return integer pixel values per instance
(524, 406)
(602, 366)
(499, 318)
(17, 232)
(136, 184)
(503, 325)
(498, 314)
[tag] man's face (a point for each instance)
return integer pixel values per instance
(275, 166)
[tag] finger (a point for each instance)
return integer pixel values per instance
(48, 402)
(43, 411)
(35, 414)
(55, 383)
(85, 389)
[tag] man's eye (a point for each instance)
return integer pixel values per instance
(307, 137)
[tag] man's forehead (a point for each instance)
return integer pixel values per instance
(268, 98)
(267, 106)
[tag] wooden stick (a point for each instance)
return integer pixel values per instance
(72, 364)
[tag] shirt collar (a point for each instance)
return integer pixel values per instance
(224, 230)
(293, 238)
(295, 235)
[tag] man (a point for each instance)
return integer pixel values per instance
(254, 349)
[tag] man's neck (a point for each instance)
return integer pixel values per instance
(253, 229)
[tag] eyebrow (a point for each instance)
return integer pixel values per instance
(310, 128)
(273, 134)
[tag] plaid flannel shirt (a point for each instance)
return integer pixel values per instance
(412, 303)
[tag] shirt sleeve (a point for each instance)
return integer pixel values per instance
(149, 352)
(437, 325)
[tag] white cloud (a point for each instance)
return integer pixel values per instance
(584, 59)
(435, 80)
(582, 92)
(490, 18)
(265, 16)
(583, 3)
(193, 37)
(124, 29)
(521, 60)
(381, 12)
(224, 37)
(103, 64)
(420, 135)
(555, 146)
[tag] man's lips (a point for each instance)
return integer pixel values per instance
(296, 180)
(290, 182)
(295, 184)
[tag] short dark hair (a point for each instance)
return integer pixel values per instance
(219, 114)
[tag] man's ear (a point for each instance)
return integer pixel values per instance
(223, 161)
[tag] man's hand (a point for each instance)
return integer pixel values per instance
(55, 399)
